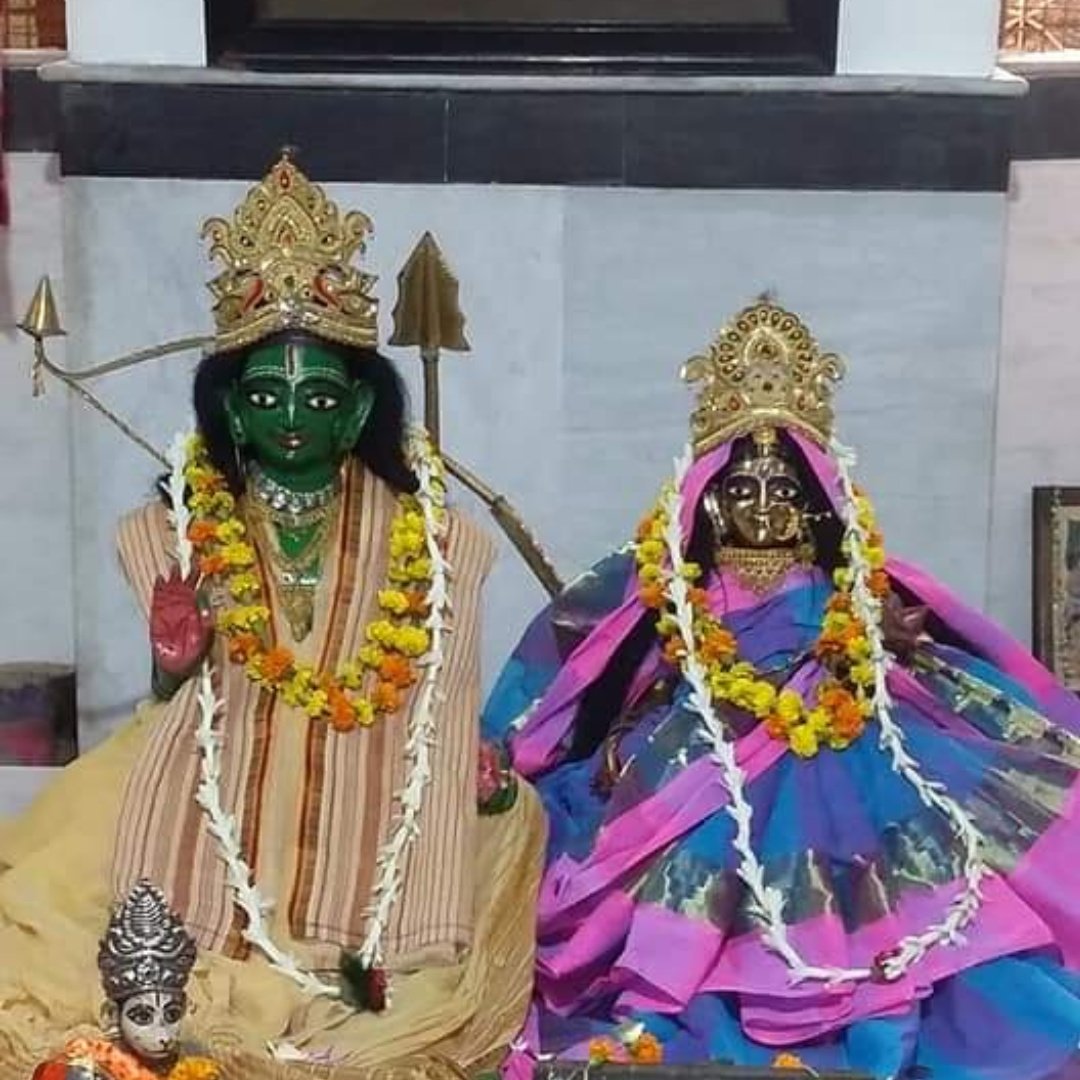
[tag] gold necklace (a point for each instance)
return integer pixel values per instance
(297, 576)
(758, 569)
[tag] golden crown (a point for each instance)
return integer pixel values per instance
(287, 254)
(764, 369)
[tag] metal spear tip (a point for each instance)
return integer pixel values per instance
(427, 312)
(42, 320)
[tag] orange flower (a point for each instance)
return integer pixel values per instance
(647, 1050)
(602, 1050)
(211, 564)
(674, 650)
(776, 726)
(276, 663)
(719, 645)
(201, 532)
(788, 1061)
(243, 647)
(386, 697)
(652, 595)
(397, 671)
(879, 584)
(342, 711)
(698, 597)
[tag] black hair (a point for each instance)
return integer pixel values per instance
(381, 445)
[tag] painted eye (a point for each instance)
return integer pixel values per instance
(140, 1015)
(322, 402)
(262, 399)
(785, 491)
(174, 1012)
(740, 489)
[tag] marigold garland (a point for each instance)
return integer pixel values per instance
(842, 702)
(119, 1064)
(394, 641)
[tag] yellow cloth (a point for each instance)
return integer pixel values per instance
(54, 902)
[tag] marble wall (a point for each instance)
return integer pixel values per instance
(582, 304)
(1038, 436)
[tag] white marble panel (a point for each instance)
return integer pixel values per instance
(35, 484)
(581, 304)
(905, 286)
(1038, 439)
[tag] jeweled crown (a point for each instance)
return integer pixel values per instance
(288, 255)
(145, 946)
(763, 369)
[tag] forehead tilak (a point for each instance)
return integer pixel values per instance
(295, 366)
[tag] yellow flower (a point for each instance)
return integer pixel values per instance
(394, 601)
(222, 502)
(238, 554)
(835, 622)
(691, 571)
(819, 721)
(352, 675)
(648, 574)
(843, 578)
(381, 632)
(371, 656)
(789, 706)
(875, 558)
(365, 712)
(230, 530)
(412, 640)
(858, 650)
(803, 741)
(862, 673)
(762, 698)
(317, 703)
(243, 585)
(651, 551)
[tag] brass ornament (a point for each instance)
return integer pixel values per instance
(42, 320)
(288, 265)
(760, 569)
(763, 369)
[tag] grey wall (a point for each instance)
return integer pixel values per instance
(582, 304)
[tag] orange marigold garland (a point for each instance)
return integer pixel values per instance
(119, 1064)
(842, 702)
(394, 642)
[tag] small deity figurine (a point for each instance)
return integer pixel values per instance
(305, 788)
(805, 805)
(145, 959)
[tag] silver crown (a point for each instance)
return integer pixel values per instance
(145, 946)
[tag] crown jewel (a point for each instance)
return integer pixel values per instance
(145, 946)
(762, 369)
(287, 254)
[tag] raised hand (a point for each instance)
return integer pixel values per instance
(181, 625)
(903, 628)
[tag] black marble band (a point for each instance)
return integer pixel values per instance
(710, 139)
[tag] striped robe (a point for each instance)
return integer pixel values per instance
(314, 807)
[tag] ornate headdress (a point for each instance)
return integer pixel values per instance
(763, 369)
(287, 255)
(145, 946)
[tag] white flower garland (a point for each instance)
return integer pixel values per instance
(766, 902)
(394, 854)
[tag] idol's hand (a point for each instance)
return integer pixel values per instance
(181, 625)
(903, 629)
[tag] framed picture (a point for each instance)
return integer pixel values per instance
(1056, 581)
(583, 36)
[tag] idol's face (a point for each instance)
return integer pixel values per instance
(297, 410)
(150, 1024)
(761, 502)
